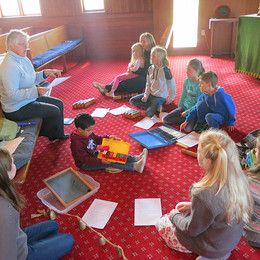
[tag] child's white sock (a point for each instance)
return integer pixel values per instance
(139, 165)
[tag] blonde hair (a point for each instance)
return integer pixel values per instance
(161, 53)
(13, 37)
(225, 174)
(139, 48)
(7, 189)
(150, 39)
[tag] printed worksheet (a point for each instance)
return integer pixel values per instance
(57, 81)
(119, 110)
(99, 213)
(146, 123)
(147, 211)
(190, 139)
(100, 112)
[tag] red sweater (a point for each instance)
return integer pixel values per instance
(84, 148)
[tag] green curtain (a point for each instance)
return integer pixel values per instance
(248, 45)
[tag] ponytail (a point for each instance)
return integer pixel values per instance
(225, 175)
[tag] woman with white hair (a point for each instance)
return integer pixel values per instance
(20, 97)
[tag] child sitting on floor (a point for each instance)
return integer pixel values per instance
(137, 61)
(214, 107)
(253, 227)
(190, 94)
(160, 85)
(211, 224)
(84, 148)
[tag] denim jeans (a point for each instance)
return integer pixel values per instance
(151, 106)
(45, 242)
(174, 117)
(49, 109)
(214, 120)
(129, 166)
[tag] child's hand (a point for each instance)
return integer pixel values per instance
(114, 137)
(173, 213)
(183, 207)
(144, 99)
(183, 114)
(104, 161)
(231, 128)
(183, 125)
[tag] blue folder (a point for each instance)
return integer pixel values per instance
(155, 138)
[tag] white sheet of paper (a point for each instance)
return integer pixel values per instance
(190, 139)
(119, 110)
(99, 213)
(100, 112)
(147, 211)
(146, 122)
(57, 81)
(11, 145)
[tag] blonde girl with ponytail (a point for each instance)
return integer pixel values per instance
(211, 224)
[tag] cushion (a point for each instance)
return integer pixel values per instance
(54, 52)
(8, 129)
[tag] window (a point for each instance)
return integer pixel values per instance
(93, 5)
(19, 7)
(185, 23)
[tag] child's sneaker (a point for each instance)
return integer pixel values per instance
(139, 157)
(139, 165)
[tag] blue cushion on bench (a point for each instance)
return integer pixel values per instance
(54, 52)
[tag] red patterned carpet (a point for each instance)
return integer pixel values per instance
(168, 174)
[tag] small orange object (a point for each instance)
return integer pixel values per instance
(83, 103)
(188, 152)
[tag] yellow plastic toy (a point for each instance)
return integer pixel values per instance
(114, 150)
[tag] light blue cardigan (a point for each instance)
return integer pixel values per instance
(18, 81)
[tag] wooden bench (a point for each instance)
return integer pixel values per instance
(48, 46)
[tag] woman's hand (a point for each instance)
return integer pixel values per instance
(42, 91)
(52, 73)
(183, 207)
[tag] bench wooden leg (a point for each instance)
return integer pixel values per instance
(64, 62)
(21, 174)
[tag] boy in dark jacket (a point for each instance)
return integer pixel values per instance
(214, 108)
(84, 148)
